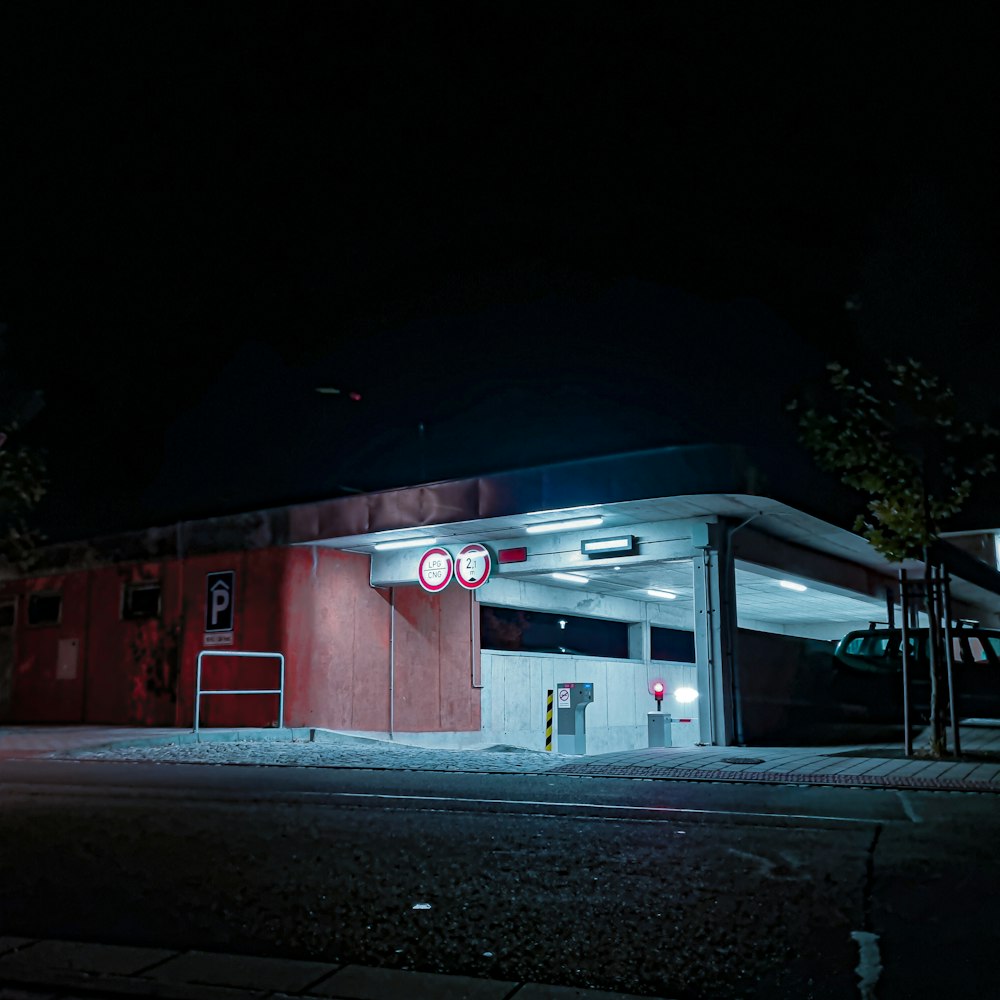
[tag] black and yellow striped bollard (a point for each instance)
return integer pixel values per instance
(548, 722)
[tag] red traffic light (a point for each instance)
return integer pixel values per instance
(658, 689)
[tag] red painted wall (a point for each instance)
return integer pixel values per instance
(257, 627)
(338, 627)
(131, 665)
(36, 690)
(435, 647)
(313, 604)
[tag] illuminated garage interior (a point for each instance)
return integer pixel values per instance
(708, 564)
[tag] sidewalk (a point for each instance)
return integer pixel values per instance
(68, 970)
(881, 766)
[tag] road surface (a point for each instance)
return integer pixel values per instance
(665, 888)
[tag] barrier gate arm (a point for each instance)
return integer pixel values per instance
(279, 691)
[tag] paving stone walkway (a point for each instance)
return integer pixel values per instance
(71, 970)
(880, 766)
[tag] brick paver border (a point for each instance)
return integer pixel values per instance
(779, 777)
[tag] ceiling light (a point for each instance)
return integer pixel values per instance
(789, 585)
(578, 522)
(570, 577)
(607, 546)
(663, 594)
(404, 543)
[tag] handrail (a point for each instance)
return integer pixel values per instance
(279, 691)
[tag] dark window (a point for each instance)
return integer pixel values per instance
(7, 614)
(141, 600)
(541, 632)
(44, 609)
(671, 644)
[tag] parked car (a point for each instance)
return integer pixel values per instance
(869, 668)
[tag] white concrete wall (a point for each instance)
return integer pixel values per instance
(559, 600)
(515, 687)
(807, 630)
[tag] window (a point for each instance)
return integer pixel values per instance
(869, 645)
(44, 609)
(978, 648)
(141, 600)
(672, 644)
(542, 632)
(7, 614)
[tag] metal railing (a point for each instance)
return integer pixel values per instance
(279, 691)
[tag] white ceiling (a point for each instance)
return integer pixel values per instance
(758, 596)
(762, 598)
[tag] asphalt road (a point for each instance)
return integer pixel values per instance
(668, 888)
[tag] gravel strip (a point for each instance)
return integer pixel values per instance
(369, 755)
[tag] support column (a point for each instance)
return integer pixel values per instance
(638, 641)
(714, 640)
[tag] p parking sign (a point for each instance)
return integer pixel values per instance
(220, 594)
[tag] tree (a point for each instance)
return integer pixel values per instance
(903, 446)
(22, 485)
(22, 468)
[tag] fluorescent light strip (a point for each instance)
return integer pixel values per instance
(578, 522)
(404, 543)
(571, 577)
(789, 585)
(620, 544)
(665, 594)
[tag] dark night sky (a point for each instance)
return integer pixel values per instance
(543, 230)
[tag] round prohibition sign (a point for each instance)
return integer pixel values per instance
(472, 566)
(435, 569)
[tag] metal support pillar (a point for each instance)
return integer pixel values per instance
(715, 635)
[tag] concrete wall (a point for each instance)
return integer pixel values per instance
(515, 683)
(514, 697)
(808, 630)
(559, 600)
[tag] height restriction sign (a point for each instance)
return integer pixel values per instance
(472, 566)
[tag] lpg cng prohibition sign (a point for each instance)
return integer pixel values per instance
(435, 569)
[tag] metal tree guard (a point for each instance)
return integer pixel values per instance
(934, 592)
